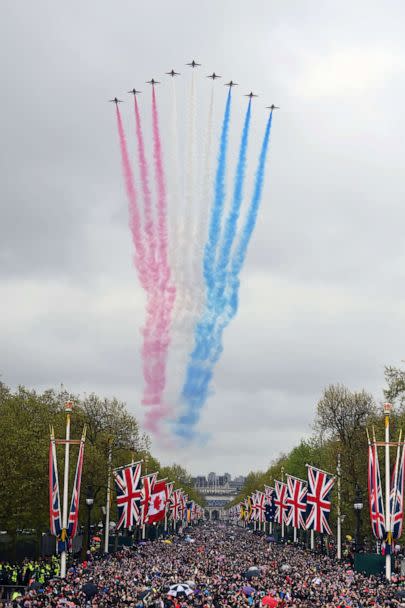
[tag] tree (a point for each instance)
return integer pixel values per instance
(395, 378)
(24, 447)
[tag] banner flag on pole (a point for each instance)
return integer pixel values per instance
(375, 494)
(148, 481)
(270, 511)
(127, 482)
(157, 502)
(73, 520)
(55, 515)
(397, 494)
(320, 485)
(280, 501)
(175, 505)
(297, 502)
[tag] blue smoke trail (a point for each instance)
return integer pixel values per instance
(241, 250)
(232, 220)
(219, 200)
(195, 377)
(199, 373)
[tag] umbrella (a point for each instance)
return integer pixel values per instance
(251, 573)
(285, 567)
(253, 568)
(96, 539)
(178, 588)
(248, 590)
(268, 600)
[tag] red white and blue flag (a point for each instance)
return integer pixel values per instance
(397, 495)
(375, 494)
(127, 482)
(148, 481)
(175, 505)
(280, 490)
(73, 520)
(259, 506)
(296, 501)
(320, 485)
(55, 516)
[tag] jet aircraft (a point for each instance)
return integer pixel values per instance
(152, 82)
(193, 64)
(172, 73)
(116, 101)
(214, 76)
(231, 84)
(251, 95)
(272, 107)
(134, 92)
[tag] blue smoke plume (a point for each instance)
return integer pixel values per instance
(223, 303)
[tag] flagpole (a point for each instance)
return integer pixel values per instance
(108, 499)
(387, 411)
(63, 555)
(339, 516)
(282, 512)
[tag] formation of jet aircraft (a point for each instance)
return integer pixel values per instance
(193, 64)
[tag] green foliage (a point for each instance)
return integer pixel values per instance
(342, 417)
(24, 447)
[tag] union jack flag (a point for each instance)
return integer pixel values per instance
(375, 495)
(320, 485)
(175, 504)
(148, 481)
(259, 506)
(55, 516)
(280, 489)
(397, 495)
(127, 481)
(73, 520)
(296, 501)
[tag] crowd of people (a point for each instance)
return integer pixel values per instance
(215, 566)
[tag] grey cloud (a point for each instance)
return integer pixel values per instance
(322, 290)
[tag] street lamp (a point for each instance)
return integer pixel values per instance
(89, 503)
(358, 505)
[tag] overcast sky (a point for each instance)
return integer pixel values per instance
(322, 291)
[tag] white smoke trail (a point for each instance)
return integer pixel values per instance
(200, 225)
(176, 215)
(185, 320)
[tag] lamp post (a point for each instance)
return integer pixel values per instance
(358, 505)
(89, 503)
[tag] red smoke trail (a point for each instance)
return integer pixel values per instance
(147, 197)
(134, 216)
(161, 190)
(160, 305)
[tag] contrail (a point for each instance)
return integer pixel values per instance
(239, 256)
(157, 337)
(203, 328)
(147, 198)
(200, 230)
(232, 220)
(134, 215)
(200, 370)
(176, 199)
(219, 201)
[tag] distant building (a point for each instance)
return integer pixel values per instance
(212, 478)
